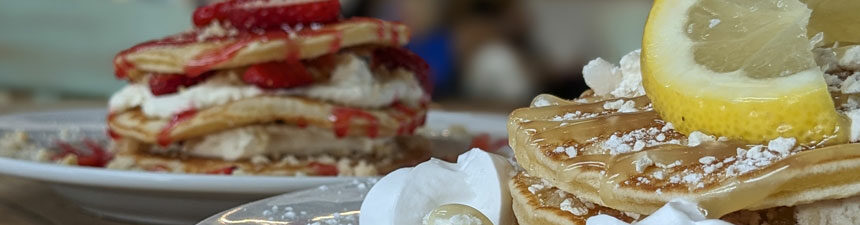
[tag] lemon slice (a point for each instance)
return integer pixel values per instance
(737, 68)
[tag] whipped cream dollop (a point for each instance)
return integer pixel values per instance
(623, 81)
(351, 84)
(675, 212)
(405, 196)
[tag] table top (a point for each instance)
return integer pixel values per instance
(27, 202)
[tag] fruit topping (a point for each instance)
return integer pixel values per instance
(162, 84)
(223, 171)
(97, 157)
(268, 14)
(398, 57)
(322, 169)
(273, 75)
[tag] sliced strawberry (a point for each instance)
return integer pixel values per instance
(398, 57)
(268, 14)
(273, 75)
(98, 156)
(162, 84)
(322, 169)
(223, 171)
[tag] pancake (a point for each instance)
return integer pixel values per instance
(134, 155)
(626, 158)
(299, 111)
(537, 202)
(202, 49)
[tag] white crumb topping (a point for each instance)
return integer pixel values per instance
(621, 106)
(696, 138)
(854, 115)
(601, 76)
(642, 163)
(606, 79)
(707, 160)
(851, 59)
(570, 151)
(782, 145)
(575, 116)
(567, 205)
(668, 126)
(851, 85)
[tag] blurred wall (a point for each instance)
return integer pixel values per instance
(64, 47)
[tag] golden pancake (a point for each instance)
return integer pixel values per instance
(196, 52)
(537, 203)
(618, 153)
(135, 155)
(299, 111)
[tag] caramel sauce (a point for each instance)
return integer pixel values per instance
(717, 190)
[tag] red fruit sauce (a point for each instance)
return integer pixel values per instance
(164, 136)
(322, 169)
(342, 118)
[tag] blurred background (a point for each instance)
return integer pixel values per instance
(487, 55)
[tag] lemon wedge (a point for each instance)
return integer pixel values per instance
(738, 68)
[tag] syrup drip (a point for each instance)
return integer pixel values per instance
(164, 137)
(343, 119)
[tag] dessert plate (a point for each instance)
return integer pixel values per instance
(161, 198)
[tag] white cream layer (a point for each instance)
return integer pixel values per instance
(351, 84)
(250, 141)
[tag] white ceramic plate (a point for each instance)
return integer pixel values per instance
(159, 198)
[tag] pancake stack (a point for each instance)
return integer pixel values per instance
(609, 154)
(275, 87)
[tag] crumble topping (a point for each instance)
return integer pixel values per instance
(606, 79)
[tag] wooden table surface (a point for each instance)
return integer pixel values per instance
(27, 202)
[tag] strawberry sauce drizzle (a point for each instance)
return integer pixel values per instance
(322, 169)
(113, 135)
(343, 117)
(206, 60)
(223, 171)
(335, 45)
(164, 137)
(409, 120)
(97, 157)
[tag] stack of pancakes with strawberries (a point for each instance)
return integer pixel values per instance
(276, 87)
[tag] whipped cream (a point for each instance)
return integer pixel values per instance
(352, 84)
(675, 212)
(620, 82)
(250, 141)
(478, 179)
(217, 90)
